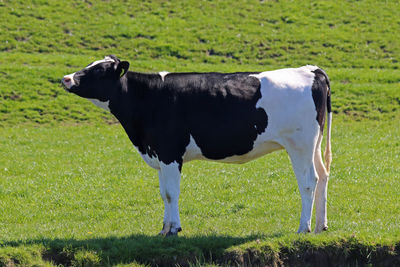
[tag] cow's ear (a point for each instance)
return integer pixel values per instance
(122, 68)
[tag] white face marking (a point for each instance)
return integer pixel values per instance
(68, 80)
(106, 59)
(101, 104)
(163, 74)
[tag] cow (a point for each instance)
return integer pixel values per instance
(173, 118)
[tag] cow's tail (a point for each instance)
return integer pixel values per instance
(328, 152)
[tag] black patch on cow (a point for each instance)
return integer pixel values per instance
(321, 96)
(221, 112)
(217, 109)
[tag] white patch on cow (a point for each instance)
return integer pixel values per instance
(287, 102)
(106, 59)
(286, 97)
(163, 74)
(101, 104)
(151, 161)
(260, 148)
(300, 79)
(192, 151)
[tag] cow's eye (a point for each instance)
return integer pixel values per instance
(97, 71)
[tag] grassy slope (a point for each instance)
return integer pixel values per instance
(63, 198)
(355, 41)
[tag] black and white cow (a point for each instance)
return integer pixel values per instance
(172, 118)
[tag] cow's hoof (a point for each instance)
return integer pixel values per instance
(304, 231)
(320, 229)
(174, 232)
(170, 231)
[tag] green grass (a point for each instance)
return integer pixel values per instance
(341, 34)
(83, 189)
(74, 192)
(355, 41)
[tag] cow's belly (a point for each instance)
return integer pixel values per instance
(256, 152)
(193, 152)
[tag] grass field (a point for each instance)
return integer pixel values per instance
(83, 188)
(74, 192)
(355, 41)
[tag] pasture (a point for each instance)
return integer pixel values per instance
(83, 190)
(73, 191)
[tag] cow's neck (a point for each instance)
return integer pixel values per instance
(129, 104)
(140, 83)
(119, 100)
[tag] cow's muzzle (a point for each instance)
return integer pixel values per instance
(68, 82)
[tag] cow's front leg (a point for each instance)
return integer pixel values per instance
(169, 177)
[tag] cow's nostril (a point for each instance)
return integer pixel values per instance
(67, 79)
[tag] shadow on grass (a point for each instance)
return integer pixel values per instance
(152, 250)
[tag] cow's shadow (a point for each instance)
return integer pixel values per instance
(151, 250)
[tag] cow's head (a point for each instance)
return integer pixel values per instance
(97, 79)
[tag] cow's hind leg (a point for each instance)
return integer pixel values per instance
(169, 178)
(321, 222)
(301, 154)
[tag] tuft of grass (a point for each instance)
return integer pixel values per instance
(23, 255)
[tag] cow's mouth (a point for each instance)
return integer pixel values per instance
(64, 86)
(68, 84)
